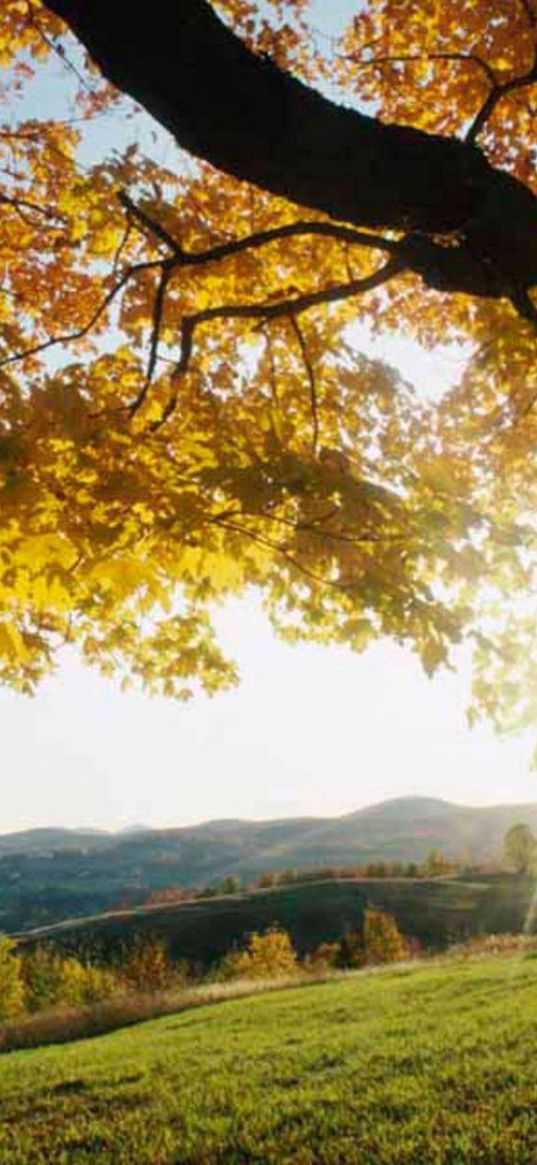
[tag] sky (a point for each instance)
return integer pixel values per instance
(311, 731)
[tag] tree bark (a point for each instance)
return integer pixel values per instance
(247, 117)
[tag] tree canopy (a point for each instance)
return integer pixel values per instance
(184, 411)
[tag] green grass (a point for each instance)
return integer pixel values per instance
(423, 1066)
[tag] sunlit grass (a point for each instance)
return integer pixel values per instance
(414, 1066)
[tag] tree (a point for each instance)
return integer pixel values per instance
(383, 942)
(520, 848)
(211, 425)
(266, 956)
(146, 966)
(50, 978)
(230, 885)
(435, 865)
(11, 984)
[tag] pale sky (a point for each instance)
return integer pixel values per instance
(311, 730)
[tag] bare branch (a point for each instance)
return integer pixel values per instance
(497, 93)
(58, 50)
(497, 89)
(24, 203)
(259, 238)
(469, 58)
(158, 310)
(269, 311)
(311, 381)
(150, 224)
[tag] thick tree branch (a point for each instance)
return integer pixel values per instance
(243, 114)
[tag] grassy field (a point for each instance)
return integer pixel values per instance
(436, 911)
(429, 1066)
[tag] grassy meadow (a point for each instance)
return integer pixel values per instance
(429, 1065)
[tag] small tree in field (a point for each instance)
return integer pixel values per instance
(42, 971)
(266, 956)
(11, 984)
(383, 942)
(326, 956)
(520, 848)
(147, 966)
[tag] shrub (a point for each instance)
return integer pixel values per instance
(147, 966)
(42, 975)
(383, 942)
(51, 978)
(326, 955)
(352, 952)
(266, 956)
(11, 983)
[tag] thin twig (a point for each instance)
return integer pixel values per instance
(262, 540)
(158, 310)
(25, 203)
(311, 528)
(123, 242)
(79, 333)
(57, 49)
(311, 381)
(404, 58)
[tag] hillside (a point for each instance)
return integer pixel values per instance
(403, 1067)
(50, 875)
(435, 912)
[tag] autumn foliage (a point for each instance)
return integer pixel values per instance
(185, 412)
(268, 955)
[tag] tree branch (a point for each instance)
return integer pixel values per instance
(471, 58)
(265, 312)
(257, 238)
(79, 333)
(25, 204)
(497, 93)
(247, 117)
(311, 381)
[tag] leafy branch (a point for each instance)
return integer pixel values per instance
(265, 312)
(497, 93)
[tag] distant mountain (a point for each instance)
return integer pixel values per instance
(48, 839)
(52, 874)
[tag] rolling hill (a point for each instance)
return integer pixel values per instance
(435, 911)
(50, 875)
